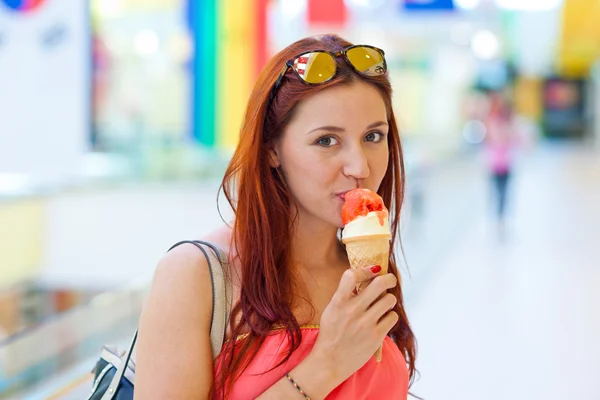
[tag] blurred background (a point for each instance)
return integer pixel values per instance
(117, 119)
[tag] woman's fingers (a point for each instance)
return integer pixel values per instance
(352, 277)
(376, 288)
(381, 307)
(387, 322)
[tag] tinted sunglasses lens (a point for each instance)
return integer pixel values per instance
(316, 67)
(366, 60)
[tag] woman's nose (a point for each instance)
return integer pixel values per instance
(357, 164)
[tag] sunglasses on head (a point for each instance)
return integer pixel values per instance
(319, 66)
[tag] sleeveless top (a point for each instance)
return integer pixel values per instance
(385, 380)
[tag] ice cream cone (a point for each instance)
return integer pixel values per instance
(368, 250)
(365, 251)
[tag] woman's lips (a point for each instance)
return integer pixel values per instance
(342, 195)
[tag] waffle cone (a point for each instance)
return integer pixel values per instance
(365, 251)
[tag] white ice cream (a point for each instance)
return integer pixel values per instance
(366, 225)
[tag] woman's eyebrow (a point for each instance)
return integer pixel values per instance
(376, 124)
(329, 128)
(332, 128)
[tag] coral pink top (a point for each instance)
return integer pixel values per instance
(500, 145)
(385, 380)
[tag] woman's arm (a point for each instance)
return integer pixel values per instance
(174, 357)
(315, 375)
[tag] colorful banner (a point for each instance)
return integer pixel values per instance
(564, 108)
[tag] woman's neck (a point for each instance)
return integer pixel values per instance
(316, 246)
(318, 262)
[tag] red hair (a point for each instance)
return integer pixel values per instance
(265, 214)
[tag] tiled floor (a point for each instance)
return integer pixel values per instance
(519, 318)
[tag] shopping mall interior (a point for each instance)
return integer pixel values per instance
(130, 110)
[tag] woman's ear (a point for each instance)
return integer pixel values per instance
(274, 161)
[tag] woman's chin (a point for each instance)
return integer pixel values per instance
(337, 222)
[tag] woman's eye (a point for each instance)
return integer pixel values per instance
(327, 141)
(374, 137)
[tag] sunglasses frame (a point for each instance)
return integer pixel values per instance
(335, 54)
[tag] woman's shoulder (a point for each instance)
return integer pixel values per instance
(183, 261)
(186, 261)
(175, 327)
(180, 294)
(186, 266)
(181, 286)
(221, 238)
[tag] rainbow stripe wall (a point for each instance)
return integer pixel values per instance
(230, 49)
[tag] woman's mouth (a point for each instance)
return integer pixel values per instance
(342, 195)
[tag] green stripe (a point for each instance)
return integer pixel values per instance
(205, 71)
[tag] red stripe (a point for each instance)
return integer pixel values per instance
(330, 12)
(260, 56)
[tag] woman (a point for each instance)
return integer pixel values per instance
(319, 123)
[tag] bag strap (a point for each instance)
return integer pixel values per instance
(222, 294)
(222, 290)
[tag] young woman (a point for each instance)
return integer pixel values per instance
(319, 123)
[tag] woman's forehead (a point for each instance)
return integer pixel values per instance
(341, 103)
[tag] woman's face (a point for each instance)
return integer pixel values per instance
(336, 141)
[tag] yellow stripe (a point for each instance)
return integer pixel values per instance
(580, 38)
(236, 65)
(528, 97)
(21, 240)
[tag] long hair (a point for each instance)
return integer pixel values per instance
(264, 212)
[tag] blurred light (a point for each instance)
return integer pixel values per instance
(365, 3)
(107, 8)
(146, 42)
(467, 4)
(375, 35)
(461, 34)
(11, 184)
(180, 48)
(485, 45)
(493, 74)
(474, 132)
(529, 5)
(103, 165)
(292, 8)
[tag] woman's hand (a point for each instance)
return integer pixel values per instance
(353, 326)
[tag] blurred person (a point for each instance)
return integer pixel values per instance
(500, 144)
(319, 123)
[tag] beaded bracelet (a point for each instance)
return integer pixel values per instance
(297, 387)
